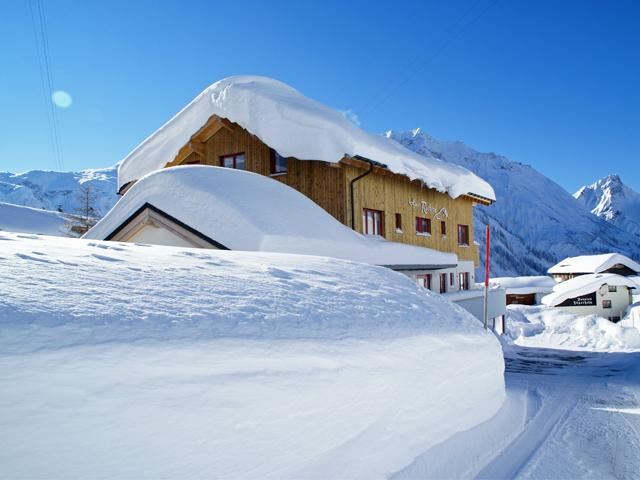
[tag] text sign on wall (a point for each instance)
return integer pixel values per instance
(427, 208)
(581, 301)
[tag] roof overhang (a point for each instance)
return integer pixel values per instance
(413, 268)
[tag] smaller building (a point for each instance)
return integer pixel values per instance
(586, 264)
(525, 290)
(604, 294)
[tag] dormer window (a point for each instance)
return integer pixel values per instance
(237, 161)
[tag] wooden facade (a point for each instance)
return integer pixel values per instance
(330, 186)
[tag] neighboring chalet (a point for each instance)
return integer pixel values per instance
(586, 264)
(369, 183)
(525, 290)
(607, 295)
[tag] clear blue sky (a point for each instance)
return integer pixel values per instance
(555, 84)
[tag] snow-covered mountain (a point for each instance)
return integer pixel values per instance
(535, 222)
(59, 190)
(612, 200)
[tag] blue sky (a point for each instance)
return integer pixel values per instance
(554, 84)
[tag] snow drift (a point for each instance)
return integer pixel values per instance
(543, 327)
(295, 126)
(246, 211)
(16, 218)
(122, 360)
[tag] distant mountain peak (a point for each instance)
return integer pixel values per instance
(610, 199)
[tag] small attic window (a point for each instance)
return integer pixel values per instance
(237, 161)
(279, 164)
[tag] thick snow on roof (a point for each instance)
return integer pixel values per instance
(523, 285)
(295, 126)
(593, 263)
(164, 362)
(246, 211)
(583, 285)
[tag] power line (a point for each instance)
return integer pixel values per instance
(46, 78)
(387, 93)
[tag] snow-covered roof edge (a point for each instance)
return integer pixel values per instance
(295, 126)
(243, 210)
(583, 285)
(593, 263)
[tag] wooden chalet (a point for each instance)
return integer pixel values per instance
(357, 191)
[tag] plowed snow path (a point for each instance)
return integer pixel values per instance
(568, 415)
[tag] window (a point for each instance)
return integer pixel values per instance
(423, 225)
(613, 288)
(236, 161)
(443, 283)
(452, 279)
(424, 280)
(443, 228)
(279, 164)
(606, 303)
(398, 222)
(463, 235)
(463, 279)
(372, 222)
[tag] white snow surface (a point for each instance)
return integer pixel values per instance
(593, 263)
(246, 211)
(583, 285)
(609, 198)
(522, 285)
(50, 190)
(535, 223)
(133, 361)
(543, 327)
(295, 126)
(17, 218)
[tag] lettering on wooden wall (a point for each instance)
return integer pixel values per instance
(427, 208)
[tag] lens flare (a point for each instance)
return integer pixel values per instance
(61, 99)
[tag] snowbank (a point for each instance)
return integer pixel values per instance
(583, 285)
(295, 126)
(593, 264)
(523, 285)
(540, 326)
(16, 218)
(123, 360)
(251, 212)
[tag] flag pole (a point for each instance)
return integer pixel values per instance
(486, 274)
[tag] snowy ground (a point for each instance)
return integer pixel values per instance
(17, 218)
(541, 326)
(572, 408)
(132, 361)
(568, 415)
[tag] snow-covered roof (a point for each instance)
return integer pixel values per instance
(295, 126)
(246, 211)
(524, 285)
(593, 264)
(583, 285)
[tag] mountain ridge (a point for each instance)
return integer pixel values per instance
(535, 222)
